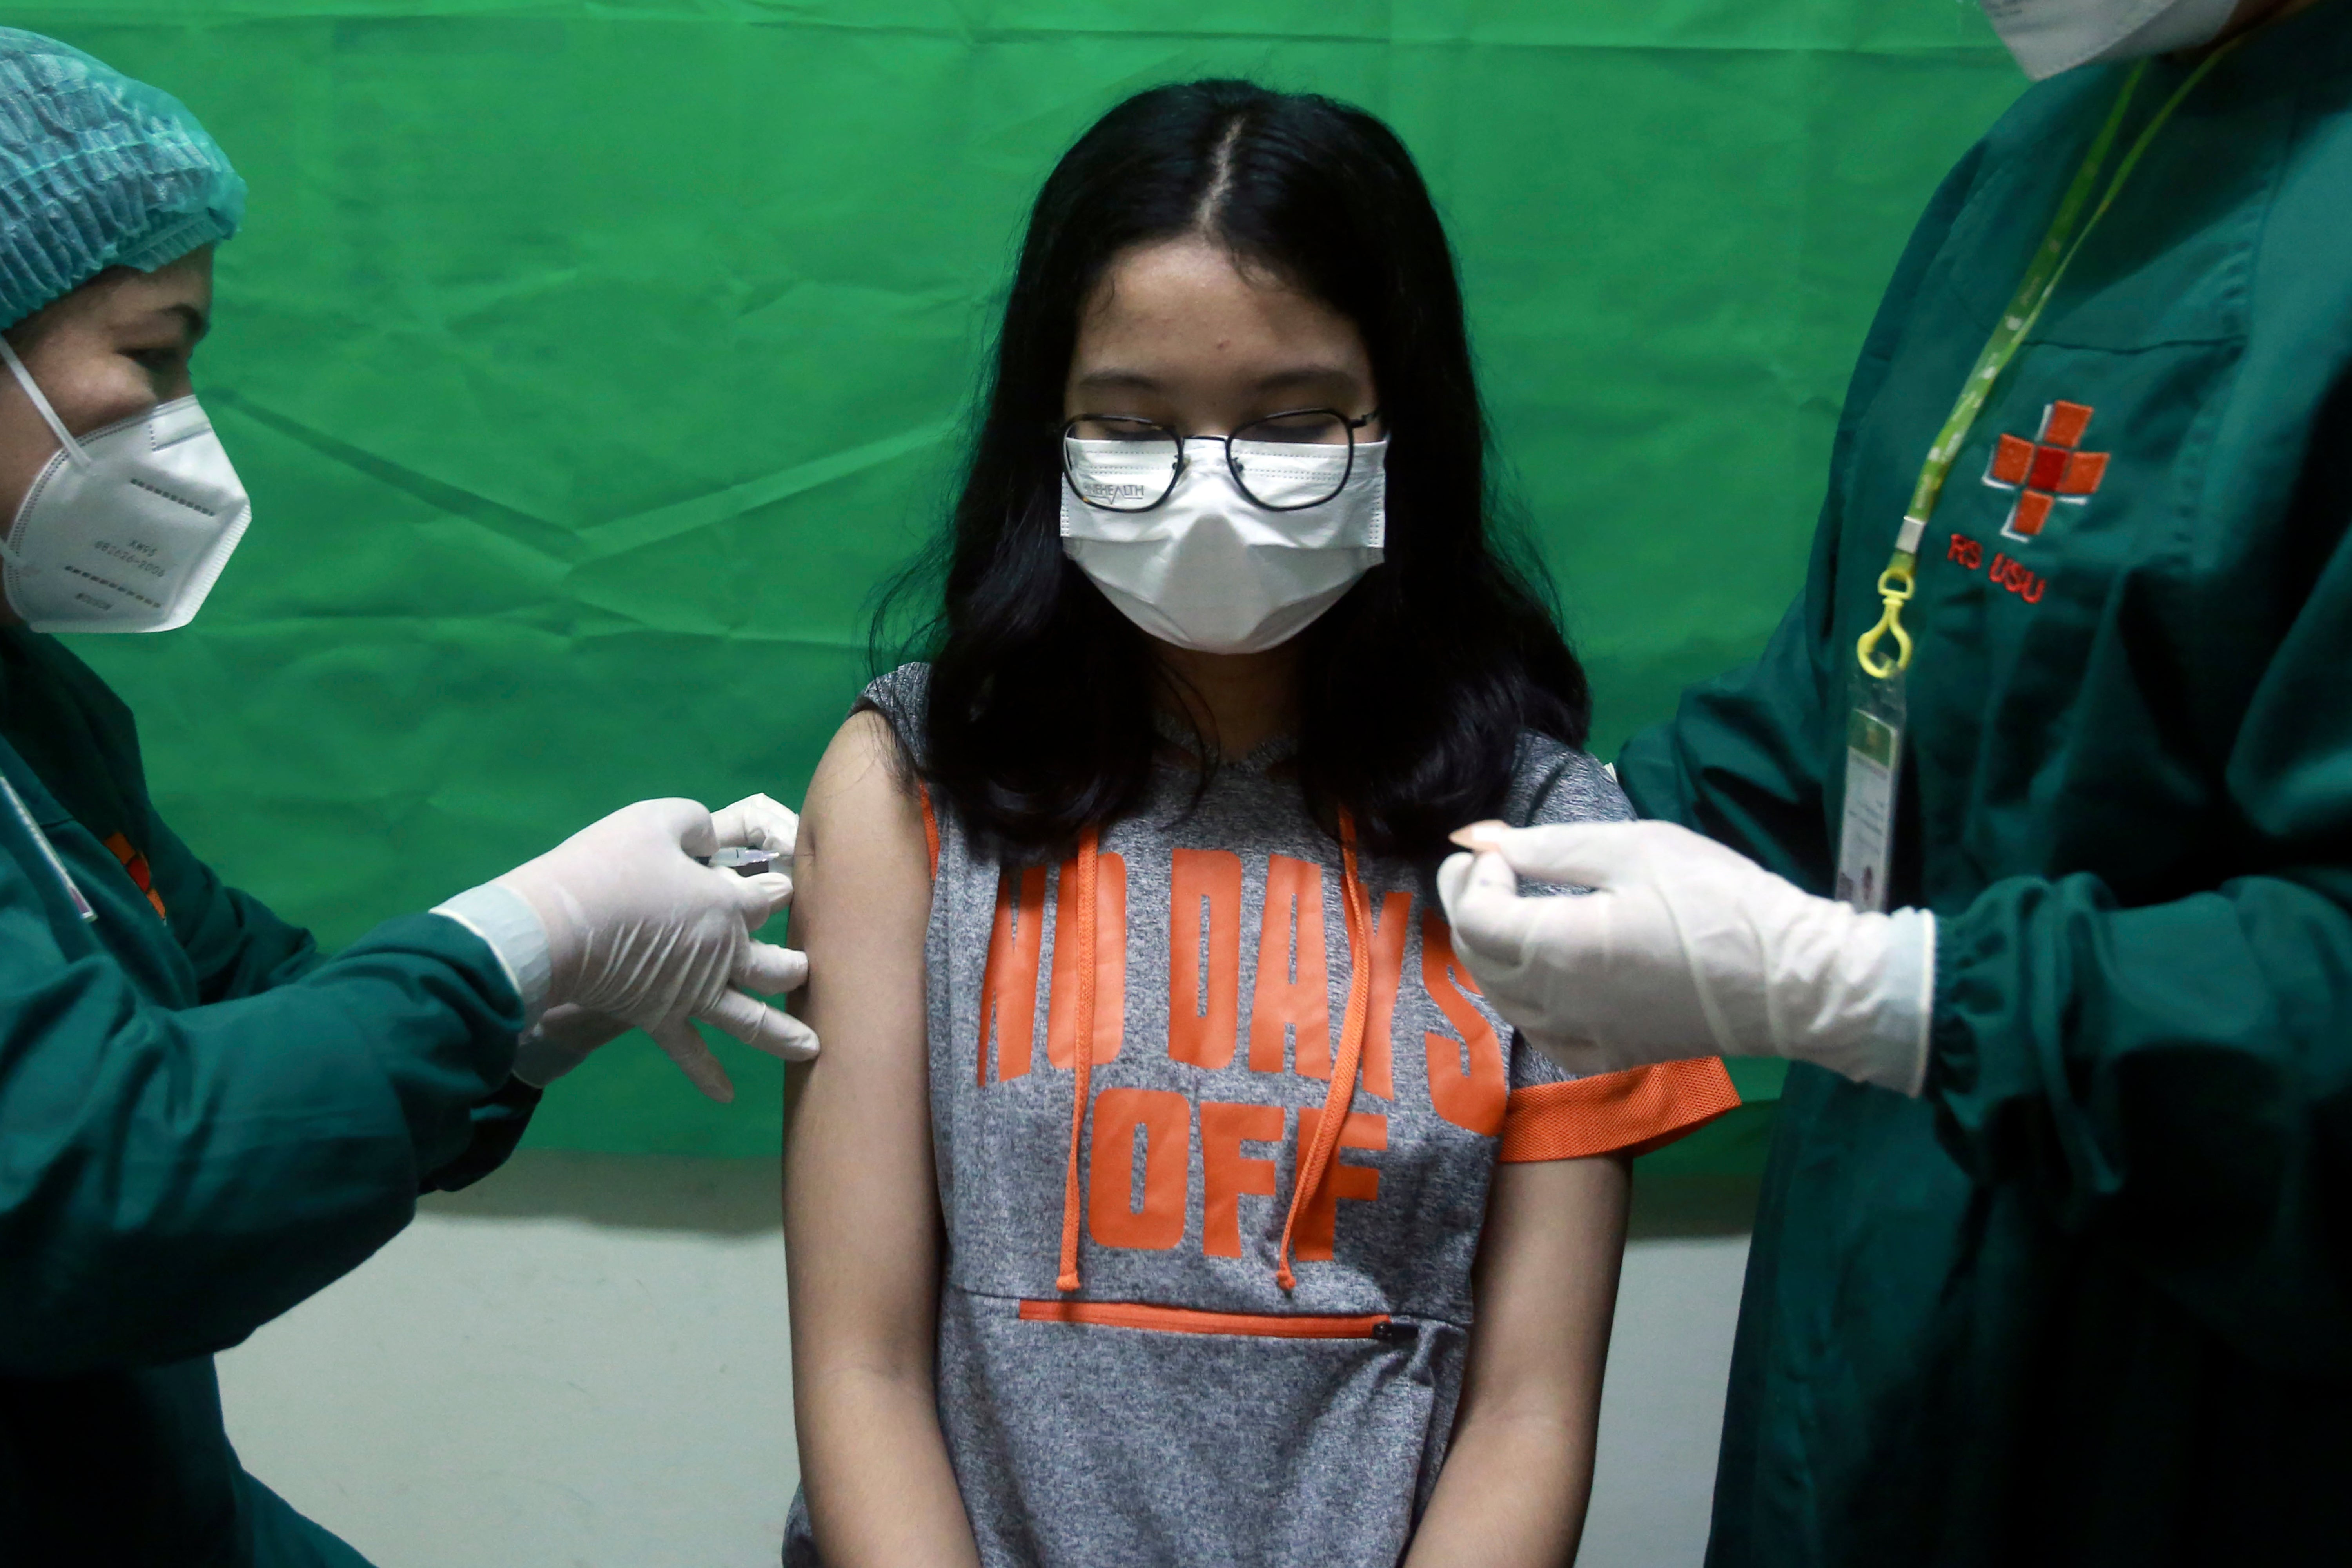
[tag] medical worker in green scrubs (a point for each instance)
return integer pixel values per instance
(202, 1119)
(2055, 1262)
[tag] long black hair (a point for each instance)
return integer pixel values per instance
(1414, 689)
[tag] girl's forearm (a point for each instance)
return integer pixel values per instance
(1512, 1495)
(879, 1488)
(1519, 1469)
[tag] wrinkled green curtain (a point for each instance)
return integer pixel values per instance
(592, 363)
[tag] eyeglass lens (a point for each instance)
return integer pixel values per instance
(1284, 463)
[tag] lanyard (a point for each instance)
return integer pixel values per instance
(2056, 254)
(1875, 725)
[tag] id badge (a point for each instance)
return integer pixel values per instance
(1873, 767)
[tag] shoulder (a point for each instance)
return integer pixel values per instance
(2302, 281)
(860, 803)
(46, 660)
(59, 705)
(902, 698)
(1998, 196)
(1554, 782)
(2047, 111)
(869, 786)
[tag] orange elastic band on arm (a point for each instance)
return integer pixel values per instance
(1629, 1112)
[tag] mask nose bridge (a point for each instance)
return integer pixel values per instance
(1234, 466)
(171, 423)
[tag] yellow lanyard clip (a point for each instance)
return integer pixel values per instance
(1894, 587)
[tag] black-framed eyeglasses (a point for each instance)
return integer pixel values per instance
(1285, 462)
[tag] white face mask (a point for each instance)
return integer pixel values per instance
(2051, 36)
(1208, 568)
(128, 527)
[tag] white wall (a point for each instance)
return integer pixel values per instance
(581, 1363)
(1662, 1408)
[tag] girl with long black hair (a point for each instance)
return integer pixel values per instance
(1166, 1193)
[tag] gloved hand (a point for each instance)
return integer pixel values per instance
(568, 1034)
(758, 822)
(564, 1036)
(634, 930)
(1684, 948)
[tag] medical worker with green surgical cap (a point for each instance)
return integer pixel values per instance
(202, 1120)
(2054, 1262)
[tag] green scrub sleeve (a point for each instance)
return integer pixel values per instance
(239, 948)
(236, 945)
(1740, 760)
(2176, 1080)
(183, 1176)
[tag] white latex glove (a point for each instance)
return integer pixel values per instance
(757, 822)
(1684, 948)
(569, 1034)
(563, 1037)
(636, 929)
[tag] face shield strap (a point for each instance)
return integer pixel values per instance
(32, 390)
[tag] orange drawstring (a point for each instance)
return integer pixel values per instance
(1088, 844)
(1317, 1159)
(1337, 1100)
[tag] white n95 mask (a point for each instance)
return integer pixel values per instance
(128, 527)
(1211, 569)
(2051, 36)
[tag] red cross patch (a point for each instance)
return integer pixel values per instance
(2047, 469)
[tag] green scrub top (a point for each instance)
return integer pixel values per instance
(202, 1121)
(2089, 1300)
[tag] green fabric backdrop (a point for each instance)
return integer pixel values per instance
(590, 364)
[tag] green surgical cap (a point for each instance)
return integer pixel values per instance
(97, 171)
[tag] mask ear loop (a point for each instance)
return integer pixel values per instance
(72, 447)
(32, 390)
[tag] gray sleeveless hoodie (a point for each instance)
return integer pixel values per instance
(1123, 1375)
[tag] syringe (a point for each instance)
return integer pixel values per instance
(745, 861)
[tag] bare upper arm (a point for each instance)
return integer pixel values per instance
(860, 1208)
(862, 871)
(1546, 1284)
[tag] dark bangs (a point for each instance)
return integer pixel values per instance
(1415, 688)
